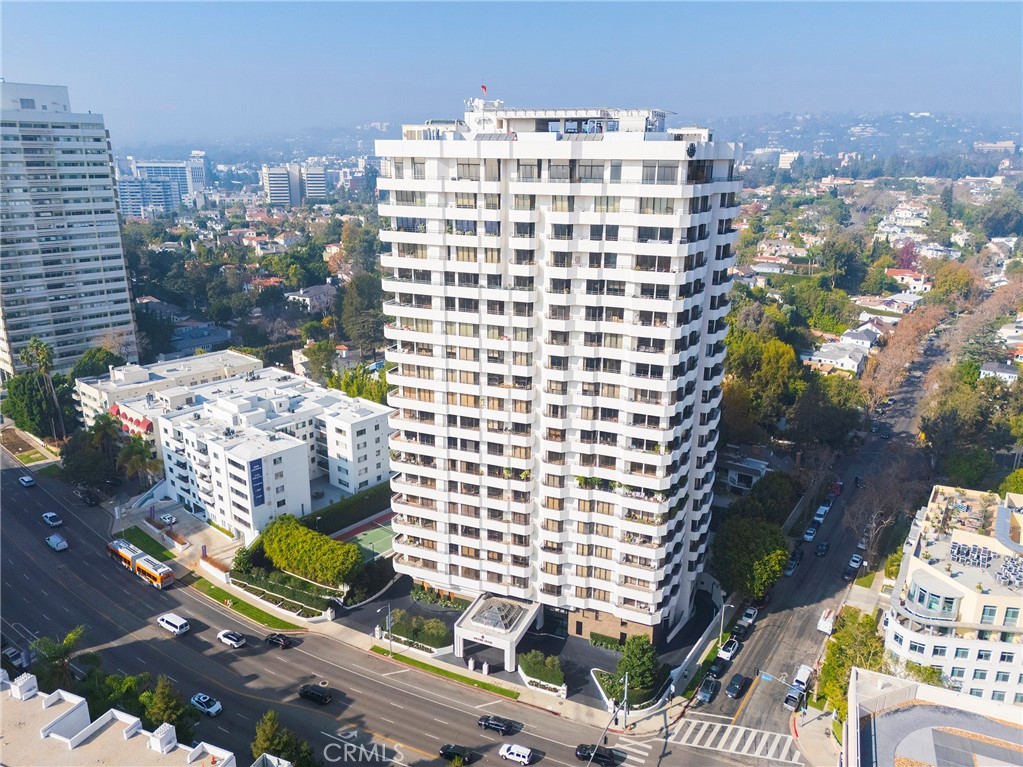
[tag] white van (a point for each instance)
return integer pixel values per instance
(802, 677)
(519, 754)
(175, 624)
(821, 515)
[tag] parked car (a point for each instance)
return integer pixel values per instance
(89, 500)
(26, 481)
(449, 751)
(279, 640)
(315, 693)
(52, 519)
(231, 639)
(719, 667)
(862, 543)
(822, 548)
(168, 519)
(749, 615)
(729, 649)
(204, 704)
(838, 487)
(13, 656)
(708, 689)
(856, 561)
(736, 686)
(498, 724)
(586, 752)
(793, 699)
(519, 754)
(763, 602)
(56, 542)
(811, 532)
(790, 567)
(741, 631)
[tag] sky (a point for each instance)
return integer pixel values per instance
(183, 71)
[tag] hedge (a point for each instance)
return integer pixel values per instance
(603, 640)
(349, 511)
(309, 554)
(289, 587)
(272, 354)
(429, 631)
(545, 668)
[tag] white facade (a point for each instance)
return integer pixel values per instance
(961, 613)
(244, 450)
(99, 394)
(559, 282)
(65, 279)
(186, 177)
(282, 185)
(314, 182)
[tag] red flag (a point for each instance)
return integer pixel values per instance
(484, 89)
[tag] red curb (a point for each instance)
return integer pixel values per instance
(795, 731)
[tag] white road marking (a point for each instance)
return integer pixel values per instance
(41, 591)
(431, 736)
(221, 728)
(359, 692)
(66, 610)
(399, 671)
(439, 720)
(387, 720)
(172, 679)
(629, 746)
(240, 716)
(491, 703)
(396, 705)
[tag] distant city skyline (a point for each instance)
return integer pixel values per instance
(205, 71)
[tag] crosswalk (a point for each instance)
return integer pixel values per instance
(728, 738)
(636, 751)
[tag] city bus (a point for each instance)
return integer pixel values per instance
(147, 568)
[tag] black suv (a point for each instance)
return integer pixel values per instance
(279, 640)
(605, 757)
(718, 668)
(314, 693)
(497, 723)
(450, 751)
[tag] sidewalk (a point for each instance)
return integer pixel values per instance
(814, 738)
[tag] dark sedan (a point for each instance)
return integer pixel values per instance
(279, 640)
(589, 752)
(497, 723)
(449, 751)
(737, 686)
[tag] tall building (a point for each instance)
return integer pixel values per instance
(144, 198)
(186, 177)
(560, 284)
(314, 182)
(282, 185)
(956, 600)
(64, 276)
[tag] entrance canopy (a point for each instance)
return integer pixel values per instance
(499, 622)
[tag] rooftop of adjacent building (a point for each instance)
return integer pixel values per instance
(171, 370)
(30, 97)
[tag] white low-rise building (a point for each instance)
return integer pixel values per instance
(1003, 372)
(840, 356)
(956, 601)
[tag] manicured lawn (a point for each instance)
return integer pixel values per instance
(145, 542)
(866, 580)
(32, 456)
(448, 674)
(239, 605)
(53, 470)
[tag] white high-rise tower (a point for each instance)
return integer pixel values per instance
(560, 284)
(63, 272)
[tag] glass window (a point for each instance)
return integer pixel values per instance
(997, 695)
(938, 651)
(1011, 616)
(616, 171)
(916, 647)
(957, 673)
(962, 652)
(1018, 697)
(921, 596)
(898, 639)
(1002, 676)
(983, 655)
(987, 614)
(1007, 657)
(979, 674)
(976, 693)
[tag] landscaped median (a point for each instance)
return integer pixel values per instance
(240, 606)
(448, 674)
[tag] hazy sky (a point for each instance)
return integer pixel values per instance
(164, 71)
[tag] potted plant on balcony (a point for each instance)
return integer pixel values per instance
(524, 475)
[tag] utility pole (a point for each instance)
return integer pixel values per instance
(625, 704)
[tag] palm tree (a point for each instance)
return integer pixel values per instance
(37, 356)
(136, 458)
(105, 434)
(55, 658)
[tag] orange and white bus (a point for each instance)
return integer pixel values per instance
(147, 568)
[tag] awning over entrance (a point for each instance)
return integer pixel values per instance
(495, 621)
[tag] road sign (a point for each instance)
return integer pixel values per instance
(766, 677)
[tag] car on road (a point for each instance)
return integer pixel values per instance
(26, 481)
(13, 656)
(52, 519)
(850, 572)
(205, 704)
(793, 699)
(519, 754)
(741, 631)
(279, 640)
(811, 532)
(790, 567)
(822, 548)
(315, 693)
(708, 689)
(856, 561)
(736, 686)
(498, 724)
(449, 751)
(837, 488)
(862, 543)
(749, 615)
(719, 667)
(886, 435)
(590, 752)
(231, 639)
(56, 542)
(763, 602)
(168, 519)
(729, 649)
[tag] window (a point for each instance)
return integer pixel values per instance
(987, 614)
(1002, 676)
(1018, 697)
(1007, 657)
(938, 651)
(281, 503)
(979, 674)
(962, 652)
(1011, 616)
(360, 432)
(277, 461)
(916, 647)
(997, 695)
(957, 672)
(983, 655)
(898, 639)
(976, 693)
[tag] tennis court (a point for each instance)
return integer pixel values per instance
(374, 541)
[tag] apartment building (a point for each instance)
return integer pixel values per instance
(282, 185)
(956, 602)
(559, 283)
(314, 182)
(65, 279)
(145, 198)
(246, 449)
(186, 177)
(99, 394)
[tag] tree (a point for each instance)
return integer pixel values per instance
(54, 667)
(37, 356)
(164, 704)
(947, 200)
(321, 358)
(359, 382)
(749, 555)
(29, 406)
(362, 317)
(854, 643)
(105, 435)
(309, 554)
(136, 458)
(967, 468)
(277, 740)
(85, 464)
(1003, 216)
(96, 362)
(639, 661)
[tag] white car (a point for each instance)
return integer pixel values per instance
(231, 639)
(519, 754)
(56, 542)
(52, 520)
(206, 705)
(855, 561)
(750, 615)
(14, 657)
(729, 649)
(168, 519)
(26, 481)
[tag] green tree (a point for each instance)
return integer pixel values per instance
(362, 317)
(360, 382)
(1012, 483)
(29, 406)
(54, 666)
(165, 704)
(1003, 216)
(855, 642)
(639, 660)
(85, 464)
(947, 201)
(105, 435)
(313, 331)
(926, 674)
(136, 459)
(277, 740)
(96, 362)
(968, 467)
(307, 553)
(37, 356)
(321, 358)
(749, 555)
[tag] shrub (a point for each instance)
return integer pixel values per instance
(309, 554)
(608, 643)
(349, 511)
(432, 632)
(431, 597)
(219, 564)
(545, 668)
(369, 580)
(892, 564)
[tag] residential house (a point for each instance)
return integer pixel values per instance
(344, 359)
(865, 339)
(910, 279)
(840, 356)
(315, 298)
(1001, 371)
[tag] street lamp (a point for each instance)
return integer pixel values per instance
(390, 636)
(722, 632)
